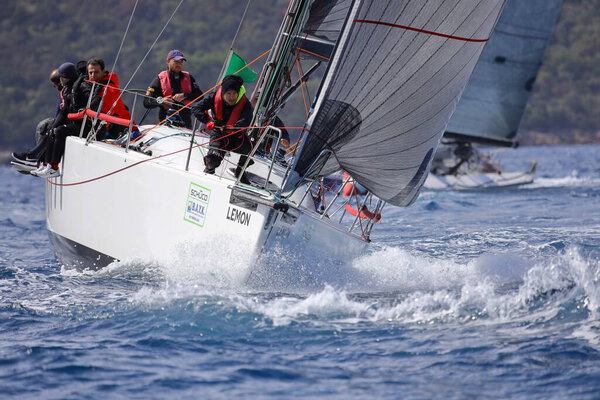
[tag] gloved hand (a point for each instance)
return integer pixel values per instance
(210, 125)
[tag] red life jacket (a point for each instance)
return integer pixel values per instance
(185, 81)
(112, 94)
(235, 113)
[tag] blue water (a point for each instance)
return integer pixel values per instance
(482, 294)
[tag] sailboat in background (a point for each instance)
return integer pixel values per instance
(493, 103)
(394, 71)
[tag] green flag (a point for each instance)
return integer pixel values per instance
(235, 64)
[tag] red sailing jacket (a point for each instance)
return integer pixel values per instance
(111, 93)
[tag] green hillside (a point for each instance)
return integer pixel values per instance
(566, 100)
(38, 35)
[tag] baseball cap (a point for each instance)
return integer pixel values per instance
(175, 55)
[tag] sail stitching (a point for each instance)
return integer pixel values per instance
(407, 96)
(408, 46)
(407, 114)
(395, 62)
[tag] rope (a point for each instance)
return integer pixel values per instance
(240, 24)
(117, 58)
(150, 159)
(199, 97)
(125, 35)
(301, 83)
(148, 52)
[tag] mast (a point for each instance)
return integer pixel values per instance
(275, 71)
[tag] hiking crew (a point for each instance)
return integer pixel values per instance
(112, 103)
(31, 157)
(74, 96)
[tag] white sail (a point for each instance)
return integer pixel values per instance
(395, 78)
(495, 98)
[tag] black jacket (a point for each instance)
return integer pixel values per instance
(75, 96)
(208, 103)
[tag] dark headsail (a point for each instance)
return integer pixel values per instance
(391, 86)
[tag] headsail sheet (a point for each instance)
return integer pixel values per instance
(495, 97)
(394, 80)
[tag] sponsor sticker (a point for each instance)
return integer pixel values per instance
(196, 205)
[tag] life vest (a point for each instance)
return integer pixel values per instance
(185, 81)
(111, 94)
(235, 113)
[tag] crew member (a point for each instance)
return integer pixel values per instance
(232, 112)
(174, 89)
(74, 96)
(112, 103)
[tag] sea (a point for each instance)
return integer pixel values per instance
(483, 294)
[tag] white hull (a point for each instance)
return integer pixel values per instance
(478, 180)
(153, 210)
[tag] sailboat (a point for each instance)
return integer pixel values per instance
(393, 73)
(493, 103)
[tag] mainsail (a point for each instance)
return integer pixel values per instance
(494, 100)
(391, 86)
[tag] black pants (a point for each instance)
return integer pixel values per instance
(56, 141)
(221, 142)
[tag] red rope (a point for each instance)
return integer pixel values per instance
(141, 162)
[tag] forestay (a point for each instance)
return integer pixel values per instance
(497, 93)
(397, 72)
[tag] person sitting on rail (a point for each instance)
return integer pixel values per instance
(31, 157)
(74, 96)
(112, 102)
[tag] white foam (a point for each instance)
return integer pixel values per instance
(420, 290)
(572, 180)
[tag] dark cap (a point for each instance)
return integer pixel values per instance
(232, 82)
(67, 70)
(175, 55)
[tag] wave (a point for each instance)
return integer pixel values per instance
(573, 180)
(396, 287)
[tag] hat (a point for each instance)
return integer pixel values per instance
(175, 55)
(67, 70)
(232, 82)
